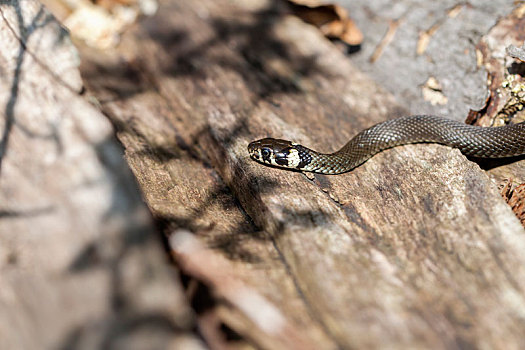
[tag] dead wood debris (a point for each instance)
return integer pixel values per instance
(332, 20)
(100, 23)
(426, 35)
(387, 39)
(433, 92)
(515, 196)
(247, 312)
(505, 76)
(516, 52)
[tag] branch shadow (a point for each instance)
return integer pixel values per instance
(120, 80)
(28, 213)
(40, 20)
(229, 242)
(125, 80)
(128, 228)
(244, 45)
(121, 321)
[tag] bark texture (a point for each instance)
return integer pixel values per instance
(414, 249)
(81, 264)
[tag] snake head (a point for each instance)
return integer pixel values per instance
(279, 153)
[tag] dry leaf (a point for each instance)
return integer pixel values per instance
(433, 92)
(504, 102)
(515, 197)
(332, 20)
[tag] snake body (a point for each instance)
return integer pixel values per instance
(475, 141)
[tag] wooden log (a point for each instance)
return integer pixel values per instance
(81, 263)
(416, 248)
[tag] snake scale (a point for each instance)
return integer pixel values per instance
(475, 141)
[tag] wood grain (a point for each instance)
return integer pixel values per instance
(82, 266)
(416, 248)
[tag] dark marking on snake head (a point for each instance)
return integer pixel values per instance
(304, 155)
(281, 158)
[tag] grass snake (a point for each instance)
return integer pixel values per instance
(475, 141)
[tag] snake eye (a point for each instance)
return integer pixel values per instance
(265, 152)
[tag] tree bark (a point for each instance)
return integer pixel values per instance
(415, 248)
(82, 266)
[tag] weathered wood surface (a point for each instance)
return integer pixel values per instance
(416, 248)
(81, 265)
(452, 30)
(461, 45)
